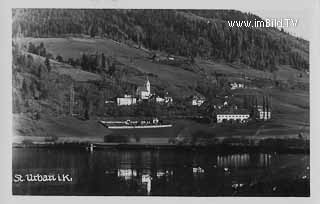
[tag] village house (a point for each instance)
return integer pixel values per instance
(159, 99)
(168, 99)
(236, 85)
(263, 114)
(170, 58)
(197, 100)
(108, 101)
(127, 100)
(165, 100)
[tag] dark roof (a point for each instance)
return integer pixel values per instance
(233, 112)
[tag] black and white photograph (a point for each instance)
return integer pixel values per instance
(169, 102)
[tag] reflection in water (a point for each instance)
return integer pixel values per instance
(233, 161)
(197, 171)
(164, 173)
(143, 177)
(146, 179)
(152, 172)
(127, 173)
(264, 160)
(244, 160)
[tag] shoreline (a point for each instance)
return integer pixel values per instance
(265, 145)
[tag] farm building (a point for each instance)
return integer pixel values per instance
(165, 100)
(197, 100)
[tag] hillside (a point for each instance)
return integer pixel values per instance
(179, 81)
(290, 105)
(189, 33)
(42, 90)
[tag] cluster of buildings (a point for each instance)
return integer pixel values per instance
(236, 85)
(242, 116)
(197, 100)
(223, 114)
(143, 93)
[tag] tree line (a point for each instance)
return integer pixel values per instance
(192, 33)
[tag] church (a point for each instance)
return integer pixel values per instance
(144, 92)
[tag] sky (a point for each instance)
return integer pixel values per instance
(302, 10)
(304, 16)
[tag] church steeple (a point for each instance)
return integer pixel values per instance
(148, 86)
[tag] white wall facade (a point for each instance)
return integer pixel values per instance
(126, 101)
(241, 117)
(264, 115)
(144, 95)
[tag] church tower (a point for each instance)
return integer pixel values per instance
(148, 86)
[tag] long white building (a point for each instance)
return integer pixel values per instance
(221, 117)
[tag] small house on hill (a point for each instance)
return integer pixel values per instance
(197, 100)
(236, 85)
(163, 100)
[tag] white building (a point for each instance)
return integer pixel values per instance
(165, 100)
(168, 99)
(127, 100)
(159, 99)
(108, 102)
(197, 101)
(263, 114)
(144, 92)
(221, 117)
(236, 85)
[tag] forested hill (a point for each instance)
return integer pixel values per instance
(190, 33)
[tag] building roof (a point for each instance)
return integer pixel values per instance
(233, 112)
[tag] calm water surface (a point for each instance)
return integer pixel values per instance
(161, 172)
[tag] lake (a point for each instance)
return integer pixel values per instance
(119, 172)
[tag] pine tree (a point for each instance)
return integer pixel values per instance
(47, 63)
(103, 61)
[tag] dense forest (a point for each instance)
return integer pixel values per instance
(191, 33)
